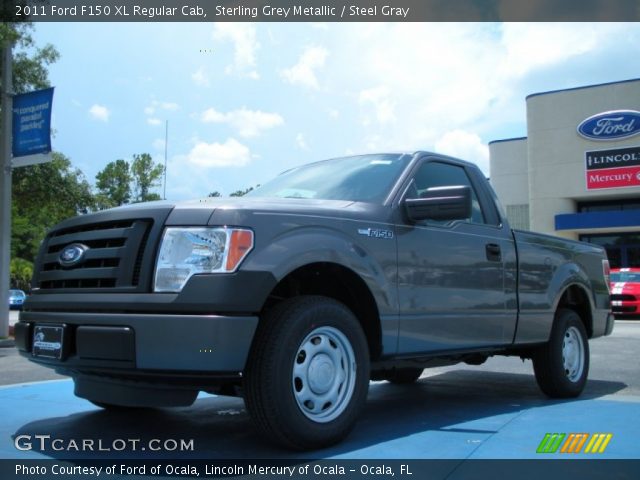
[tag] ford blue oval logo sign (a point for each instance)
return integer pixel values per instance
(72, 254)
(611, 125)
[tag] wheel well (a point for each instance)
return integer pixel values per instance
(576, 299)
(341, 284)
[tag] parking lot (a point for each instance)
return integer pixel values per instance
(460, 412)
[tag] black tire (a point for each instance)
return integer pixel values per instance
(562, 365)
(404, 376)
(285, 382)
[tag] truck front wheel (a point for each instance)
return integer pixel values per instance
(308, 373)
(562, 364)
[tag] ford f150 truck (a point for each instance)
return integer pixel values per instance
(296, 295)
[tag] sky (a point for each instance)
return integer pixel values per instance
(246, 101)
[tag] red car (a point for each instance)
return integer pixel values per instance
(625, 291)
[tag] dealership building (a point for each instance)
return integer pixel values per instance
(577, 172)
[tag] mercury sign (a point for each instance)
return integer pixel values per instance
(613, 168)
(32, 123)
(611, 125)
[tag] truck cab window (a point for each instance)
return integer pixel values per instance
(437, 174)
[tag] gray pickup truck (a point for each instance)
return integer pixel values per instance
(296, 295)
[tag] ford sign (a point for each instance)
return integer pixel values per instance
(72, 254)
(611, 125)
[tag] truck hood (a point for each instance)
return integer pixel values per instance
(205, 210)
(264, 204)
(202, 211)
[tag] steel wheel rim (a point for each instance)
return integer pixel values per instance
(573, 354)
(324, 374)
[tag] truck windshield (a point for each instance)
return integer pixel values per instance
(364, 178)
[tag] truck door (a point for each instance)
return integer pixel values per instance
(456, 279)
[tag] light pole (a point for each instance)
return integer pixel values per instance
(5, 188)
(166, 139)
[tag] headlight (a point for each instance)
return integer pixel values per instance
(188, 251)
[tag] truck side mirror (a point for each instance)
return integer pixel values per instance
(440, 203)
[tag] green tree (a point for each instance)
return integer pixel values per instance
(146, 175)
(21, 273)
(44, 195)
(242, 193)
(215, 194)
(114, 184)
(29, 61)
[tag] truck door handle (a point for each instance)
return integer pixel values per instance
(493, 252)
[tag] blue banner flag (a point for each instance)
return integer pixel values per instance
(32, 122)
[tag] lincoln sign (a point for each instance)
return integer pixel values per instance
(613, 168)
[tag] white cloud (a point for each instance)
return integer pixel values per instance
(383, 106)
(463, 76)
(155, 107)
(243, 37)
(301, 142)
(465, 145)
(171, 106)
(200, 78)
(99, 112)
(248, 123)
(213, 155)
(211, 115)
(304, 72)
(158, 144)
(528, 46)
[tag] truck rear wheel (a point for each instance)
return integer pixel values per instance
(562, 365)
(308, 373)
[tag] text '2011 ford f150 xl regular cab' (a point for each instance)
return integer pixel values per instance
(295, 296)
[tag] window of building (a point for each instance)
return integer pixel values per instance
(518, 216)
(609, 206)
(623, 249)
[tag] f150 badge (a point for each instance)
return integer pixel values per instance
(375, 233)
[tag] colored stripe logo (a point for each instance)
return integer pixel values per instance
(598, 443)
(574, 443)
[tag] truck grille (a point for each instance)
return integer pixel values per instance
(623, 298)
(620, 309)
(112, 259)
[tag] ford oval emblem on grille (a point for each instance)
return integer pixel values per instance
(72, 254)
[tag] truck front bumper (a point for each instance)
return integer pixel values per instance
(128, 345)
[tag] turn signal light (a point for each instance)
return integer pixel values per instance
(240, 245)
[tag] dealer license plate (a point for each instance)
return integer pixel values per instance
(47, 341)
